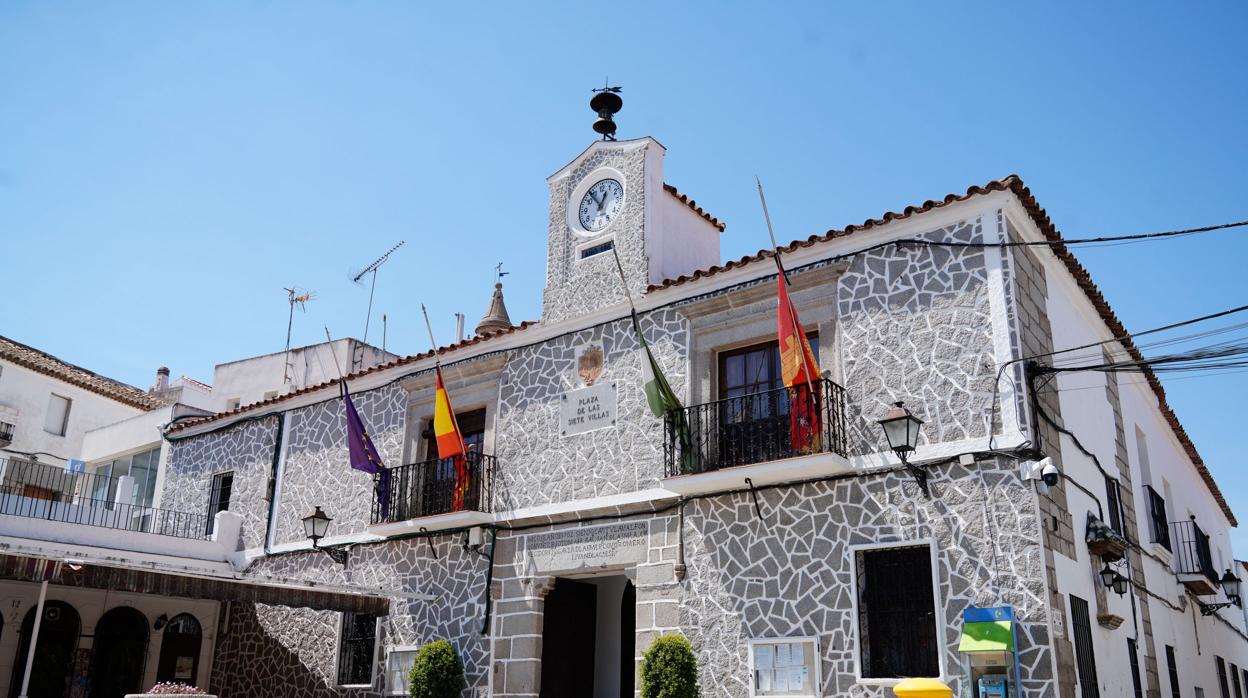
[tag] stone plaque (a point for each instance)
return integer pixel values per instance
(587, 409)
(589, 547)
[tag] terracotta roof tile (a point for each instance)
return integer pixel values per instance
(45, 363)
(694, 205)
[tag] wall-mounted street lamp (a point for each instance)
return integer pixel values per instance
(1230, 587)
(315, 525)
(901, 429)
(1113, 580)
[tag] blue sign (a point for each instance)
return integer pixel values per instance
(75, 466)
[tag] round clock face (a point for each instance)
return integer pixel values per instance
(600, 205)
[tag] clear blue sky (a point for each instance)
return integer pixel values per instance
(167, 168)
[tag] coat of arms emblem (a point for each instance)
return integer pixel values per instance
(589, 365)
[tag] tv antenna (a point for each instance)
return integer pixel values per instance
(372, 268)
(294, 297)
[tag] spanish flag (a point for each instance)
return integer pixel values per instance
(800, 373)
(450, 441)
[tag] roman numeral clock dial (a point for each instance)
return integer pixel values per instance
(600, 205)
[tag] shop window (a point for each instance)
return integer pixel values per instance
(897, 633)
(785, 667)
(356, 644)
(179, 650)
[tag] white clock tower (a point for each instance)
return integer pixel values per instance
(612, 196)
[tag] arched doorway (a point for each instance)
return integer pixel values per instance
(119, 653)
(54, 653)
(179, 650)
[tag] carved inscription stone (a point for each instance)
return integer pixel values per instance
(589, 547)
(587, 409)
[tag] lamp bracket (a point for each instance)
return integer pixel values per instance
(338, 555)
(1208, 609)
(920, 476)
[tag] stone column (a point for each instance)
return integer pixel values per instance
(517, 635)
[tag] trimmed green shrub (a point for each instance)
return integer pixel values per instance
(669, 669)
(437, 672)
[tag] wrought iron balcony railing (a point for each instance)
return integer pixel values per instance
(755, 428)
(434, 487)
(1191, 550)
(41, 491)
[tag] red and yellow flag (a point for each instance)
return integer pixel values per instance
(450, 441)
(800, 373)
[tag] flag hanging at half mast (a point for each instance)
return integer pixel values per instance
(363, 454)
(450, 441)
(800, 373)
(659, 393)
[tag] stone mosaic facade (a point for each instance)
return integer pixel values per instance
(906, 323)
(537, 464)
(316, 470)
(576, 286)
(915, 325)
(247, 451)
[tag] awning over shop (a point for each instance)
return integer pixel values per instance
(244, 588)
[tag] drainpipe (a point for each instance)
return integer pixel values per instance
(34, 638)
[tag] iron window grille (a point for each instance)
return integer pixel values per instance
(355, 651)
(1173, 666)
(1085, 653)
(897, 633)
(219, 499)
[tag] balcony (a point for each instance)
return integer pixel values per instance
(40, 491)
(1193, 562)
(426, 493)
(771, 436)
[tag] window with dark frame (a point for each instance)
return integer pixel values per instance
(355, 649)
(1239, 691)
(1113, 502)
(1132, 652)
(1221, 666)
(896, 613)
(219, 500)
(1172, 666)
(1085, 653)
(1157, 515)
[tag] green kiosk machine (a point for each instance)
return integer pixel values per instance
(989, 650)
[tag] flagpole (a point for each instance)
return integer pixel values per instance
(342, 382)
(775, 249)
(432, 343)
(620, 268)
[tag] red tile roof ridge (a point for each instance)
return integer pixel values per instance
(186, 424)
(684, 199)
(42, 362)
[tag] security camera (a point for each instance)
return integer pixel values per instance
(1049, 472)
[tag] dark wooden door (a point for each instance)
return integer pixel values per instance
(628, 640)
(119, 653)
(179, 650)
(568, 631)
(54, 654)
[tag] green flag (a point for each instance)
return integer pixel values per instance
(662, 399)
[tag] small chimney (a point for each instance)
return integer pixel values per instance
(162, 380)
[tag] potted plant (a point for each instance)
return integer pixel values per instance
(669, 669)
(171, 688)
(437, 672)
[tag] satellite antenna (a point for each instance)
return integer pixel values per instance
(372, 268)
(294, 297)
